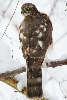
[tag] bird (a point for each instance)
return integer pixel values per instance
(36, 37)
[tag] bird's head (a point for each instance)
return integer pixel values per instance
(28, 9)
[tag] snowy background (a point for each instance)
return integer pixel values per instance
(11, 57)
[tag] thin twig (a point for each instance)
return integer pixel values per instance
(10, 20)
(12, 73)
(53, 7)
(56, 63)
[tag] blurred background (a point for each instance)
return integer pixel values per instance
(11, 56)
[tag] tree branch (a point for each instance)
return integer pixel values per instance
(12, 73)
(56, 63)
(10, 81)
(13, 83)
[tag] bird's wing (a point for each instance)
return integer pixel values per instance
(49, 28)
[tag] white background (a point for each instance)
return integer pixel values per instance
(11, 57)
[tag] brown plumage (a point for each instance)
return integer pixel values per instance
(36, 37)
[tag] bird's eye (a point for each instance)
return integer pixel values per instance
(29, 9)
